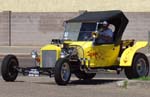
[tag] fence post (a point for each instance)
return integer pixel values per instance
(9, 19)
(7, 26)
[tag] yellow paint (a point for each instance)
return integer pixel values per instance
(100, 56)
(128, 54)
(50, 47)
(74, 5)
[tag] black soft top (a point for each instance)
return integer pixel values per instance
(115, 17)
(98, 16)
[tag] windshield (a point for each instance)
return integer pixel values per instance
(79, 31)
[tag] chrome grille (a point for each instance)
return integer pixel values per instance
(48, 58)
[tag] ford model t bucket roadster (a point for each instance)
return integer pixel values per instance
(79, 52)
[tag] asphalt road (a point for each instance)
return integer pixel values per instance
(46, 87)
(104, 85)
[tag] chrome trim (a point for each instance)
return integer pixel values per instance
(49, 58)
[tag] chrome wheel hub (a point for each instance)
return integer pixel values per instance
(65, 71)
(141, 67)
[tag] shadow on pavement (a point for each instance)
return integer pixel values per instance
(19, 81)
(83, 82)
(93, 82)
(45, 83)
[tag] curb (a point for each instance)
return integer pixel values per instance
(130, 83)
(148, 54)
(20, 46)
(20, 55)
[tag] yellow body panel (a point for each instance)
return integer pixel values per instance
(128, 54)
(103, 55)
(50, 47)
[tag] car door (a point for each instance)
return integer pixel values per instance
(103, 55)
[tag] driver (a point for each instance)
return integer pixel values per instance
(105, 33)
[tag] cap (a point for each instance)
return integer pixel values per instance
(105, 23)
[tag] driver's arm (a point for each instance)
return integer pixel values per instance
(107, 36)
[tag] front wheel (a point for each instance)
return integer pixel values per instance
(62, 71)
(139, 68)
(8, 68)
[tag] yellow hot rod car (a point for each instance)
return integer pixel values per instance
(79, 52)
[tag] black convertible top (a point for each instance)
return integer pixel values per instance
(98, 16)
(115, 17)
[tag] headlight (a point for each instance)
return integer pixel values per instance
(34, 54)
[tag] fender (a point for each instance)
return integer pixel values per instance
(127, 56)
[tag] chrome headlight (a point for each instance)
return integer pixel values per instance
(34, 54)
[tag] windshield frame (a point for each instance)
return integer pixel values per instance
(83, 28)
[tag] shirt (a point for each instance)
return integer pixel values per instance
(107, 32)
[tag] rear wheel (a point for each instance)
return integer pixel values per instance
(62, 71)
(139, 68)
(84, 76)
(8, 68)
